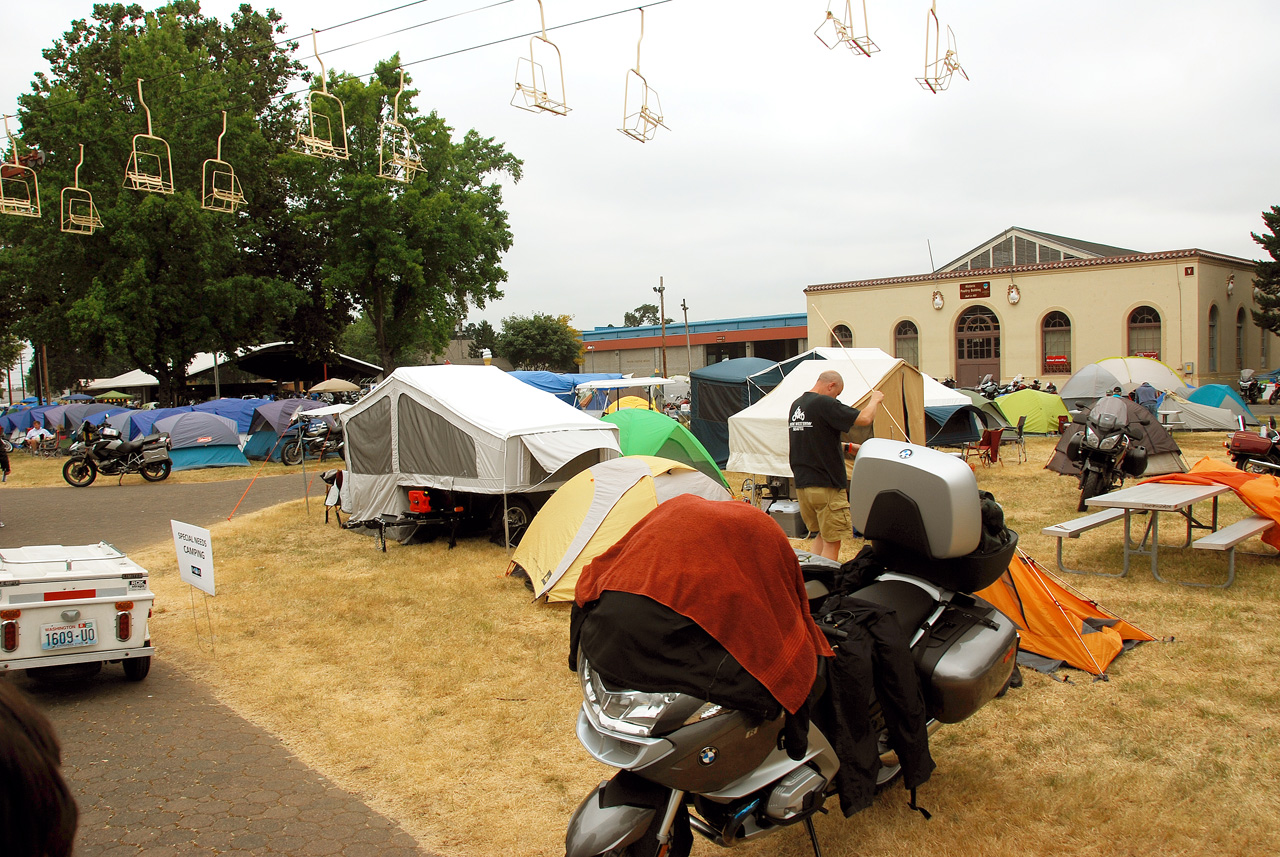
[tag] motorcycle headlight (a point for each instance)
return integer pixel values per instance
(638, 712)
(1109, 443)
(1090, 436)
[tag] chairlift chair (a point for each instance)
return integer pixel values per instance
(319, 140)
(834, 32)
(641, 116)
(150, 165)
(532, 93)
(220, 189)
(19, 187)
(79, 214)
(938, 67)
(398, 157)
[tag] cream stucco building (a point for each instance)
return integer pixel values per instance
(1042, 306)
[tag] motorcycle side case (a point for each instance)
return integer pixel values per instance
(1248, 443)
(967, 659)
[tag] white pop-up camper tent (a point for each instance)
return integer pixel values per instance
(758, 434)
(463, 428)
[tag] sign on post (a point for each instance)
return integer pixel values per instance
(195, 555)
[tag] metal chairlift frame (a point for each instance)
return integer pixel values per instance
(843, 30)
(642, 124)
(533, 95)
(16, 195)
(395, 139)
(219, 187)
(939, 69)
(311, 143)
(79, 214)
(136, 174)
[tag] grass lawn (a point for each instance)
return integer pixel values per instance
(429, 683)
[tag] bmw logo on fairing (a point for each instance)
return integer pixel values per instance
(707, 755)
(904, 454)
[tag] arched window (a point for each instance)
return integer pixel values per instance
(841, 336)
(906, 343)
(1055, 337)
(1239, 339)
(1144, 332)
(1213, 339)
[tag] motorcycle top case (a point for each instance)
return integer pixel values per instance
(68, 602)
(1249, 442)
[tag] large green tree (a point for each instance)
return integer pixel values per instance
(162, 279)
(413, 257)
(1266, 284)
(540, 341)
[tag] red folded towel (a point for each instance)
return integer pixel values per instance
(728, 567)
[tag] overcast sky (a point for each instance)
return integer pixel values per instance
(1146, 125)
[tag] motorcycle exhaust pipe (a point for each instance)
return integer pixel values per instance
(1257, 462)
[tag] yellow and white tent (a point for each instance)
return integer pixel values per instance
(595, 509)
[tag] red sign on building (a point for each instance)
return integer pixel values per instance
(969, 291)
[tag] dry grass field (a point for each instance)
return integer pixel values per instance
(426, 680)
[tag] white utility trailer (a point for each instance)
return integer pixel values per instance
(82, 604)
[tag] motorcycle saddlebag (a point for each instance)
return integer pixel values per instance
(1249, 442)
(154, 454)
(968, 658)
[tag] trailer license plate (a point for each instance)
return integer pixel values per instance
(68, 635)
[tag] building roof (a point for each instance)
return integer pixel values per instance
(967, 274)
(723, 325)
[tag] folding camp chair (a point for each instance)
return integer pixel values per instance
(1018, 440)
(989, 447)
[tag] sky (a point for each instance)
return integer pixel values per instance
(1145, 125)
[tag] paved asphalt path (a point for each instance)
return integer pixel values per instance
(161, 768)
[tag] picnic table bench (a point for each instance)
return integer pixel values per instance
(1226, 539)
(1073, 529)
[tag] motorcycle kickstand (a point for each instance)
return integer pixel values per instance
(813, 836)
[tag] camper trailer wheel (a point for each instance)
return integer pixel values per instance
(157, 471)
(519, 514)
(136, 669)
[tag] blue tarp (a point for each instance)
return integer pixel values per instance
(952, 425)
(562, 384)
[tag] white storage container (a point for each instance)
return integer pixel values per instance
(72, 605)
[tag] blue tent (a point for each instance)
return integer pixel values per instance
(271, 421)
(73, 415)
(561, 385)
(137, 423)
(239, 411)
(952, 425)
(201, 439)
(719, 391)
(1222, 396)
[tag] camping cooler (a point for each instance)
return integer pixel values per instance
(787, 514)
(70, 605)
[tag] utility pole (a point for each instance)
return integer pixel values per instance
(662, 317)
(684, 305)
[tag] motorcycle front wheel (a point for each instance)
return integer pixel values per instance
(157, 471)
(1275, 395)
(291, 454)
(1092, 486)
(79, 472)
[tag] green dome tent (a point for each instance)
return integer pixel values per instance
(1040, 408)
(645, 432)
(113, 396)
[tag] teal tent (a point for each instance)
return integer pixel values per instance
(1222, 396)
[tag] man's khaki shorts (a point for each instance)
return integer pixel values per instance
(826, 512)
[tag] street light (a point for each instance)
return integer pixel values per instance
(684, 305)
(662, 318)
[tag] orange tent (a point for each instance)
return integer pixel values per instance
(1056, 622)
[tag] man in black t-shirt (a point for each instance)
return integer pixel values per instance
(817, 461)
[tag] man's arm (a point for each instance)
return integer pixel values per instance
(868, 414)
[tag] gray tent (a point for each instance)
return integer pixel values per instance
(988, 410)
(1163, 453)
(1192, 416)
(1086, 385)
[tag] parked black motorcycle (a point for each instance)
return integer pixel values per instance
(102, 450)
(1250, 387)
(688, 764)
(1255, 451)
(315, 439)
(1105, 451)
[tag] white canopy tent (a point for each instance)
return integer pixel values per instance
(465, 428)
